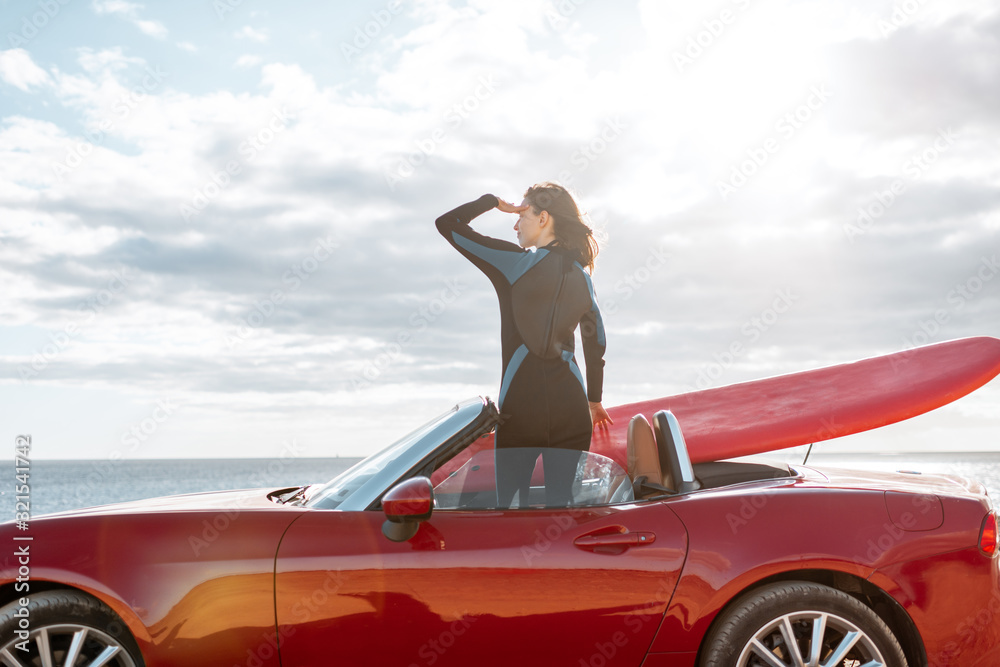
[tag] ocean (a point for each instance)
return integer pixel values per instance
(64, 485)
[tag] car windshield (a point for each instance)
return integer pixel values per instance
(340, 488)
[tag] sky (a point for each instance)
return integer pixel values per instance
(216, 217)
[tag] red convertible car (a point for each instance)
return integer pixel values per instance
(406, 560)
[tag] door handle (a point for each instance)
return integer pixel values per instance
(614, 540)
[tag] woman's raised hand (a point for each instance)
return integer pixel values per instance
(507, 207)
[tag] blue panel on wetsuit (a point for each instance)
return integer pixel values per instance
(568, 357)
(515, 362)
(513, 265)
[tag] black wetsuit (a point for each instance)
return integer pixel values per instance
(544, 294)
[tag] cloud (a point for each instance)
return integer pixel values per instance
(247, 60)
(130, 12)
(121, 7)
(918, 77)
(248, 32)
(152, 28)
(19, 70)
(307, 251)
(105, 61)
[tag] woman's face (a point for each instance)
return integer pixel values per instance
(530, 231)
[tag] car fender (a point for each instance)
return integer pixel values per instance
(745, 535)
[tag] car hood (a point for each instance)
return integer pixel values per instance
(205, 501)
(157, 549)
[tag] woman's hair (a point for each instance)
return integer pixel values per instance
(570, 229)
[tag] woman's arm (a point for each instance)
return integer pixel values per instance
(464, 214)
(594, 345)
(496, 258)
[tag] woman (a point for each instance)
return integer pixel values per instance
(545, 291)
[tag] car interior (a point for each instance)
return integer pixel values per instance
(659, 463)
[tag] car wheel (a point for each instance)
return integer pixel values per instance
(65, 628)
(801, 623)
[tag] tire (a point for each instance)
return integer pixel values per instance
(762, 621)
(63, 621)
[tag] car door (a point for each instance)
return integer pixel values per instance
(571, 586)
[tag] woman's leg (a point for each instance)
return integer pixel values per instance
(514, 466)
(560, 473)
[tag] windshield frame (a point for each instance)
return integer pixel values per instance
(402, 456)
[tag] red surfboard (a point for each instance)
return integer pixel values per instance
(812, 406)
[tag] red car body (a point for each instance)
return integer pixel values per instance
(250, 578)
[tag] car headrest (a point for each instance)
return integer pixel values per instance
(643, 458)
(678, 474)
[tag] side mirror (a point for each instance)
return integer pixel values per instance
(405, 506)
